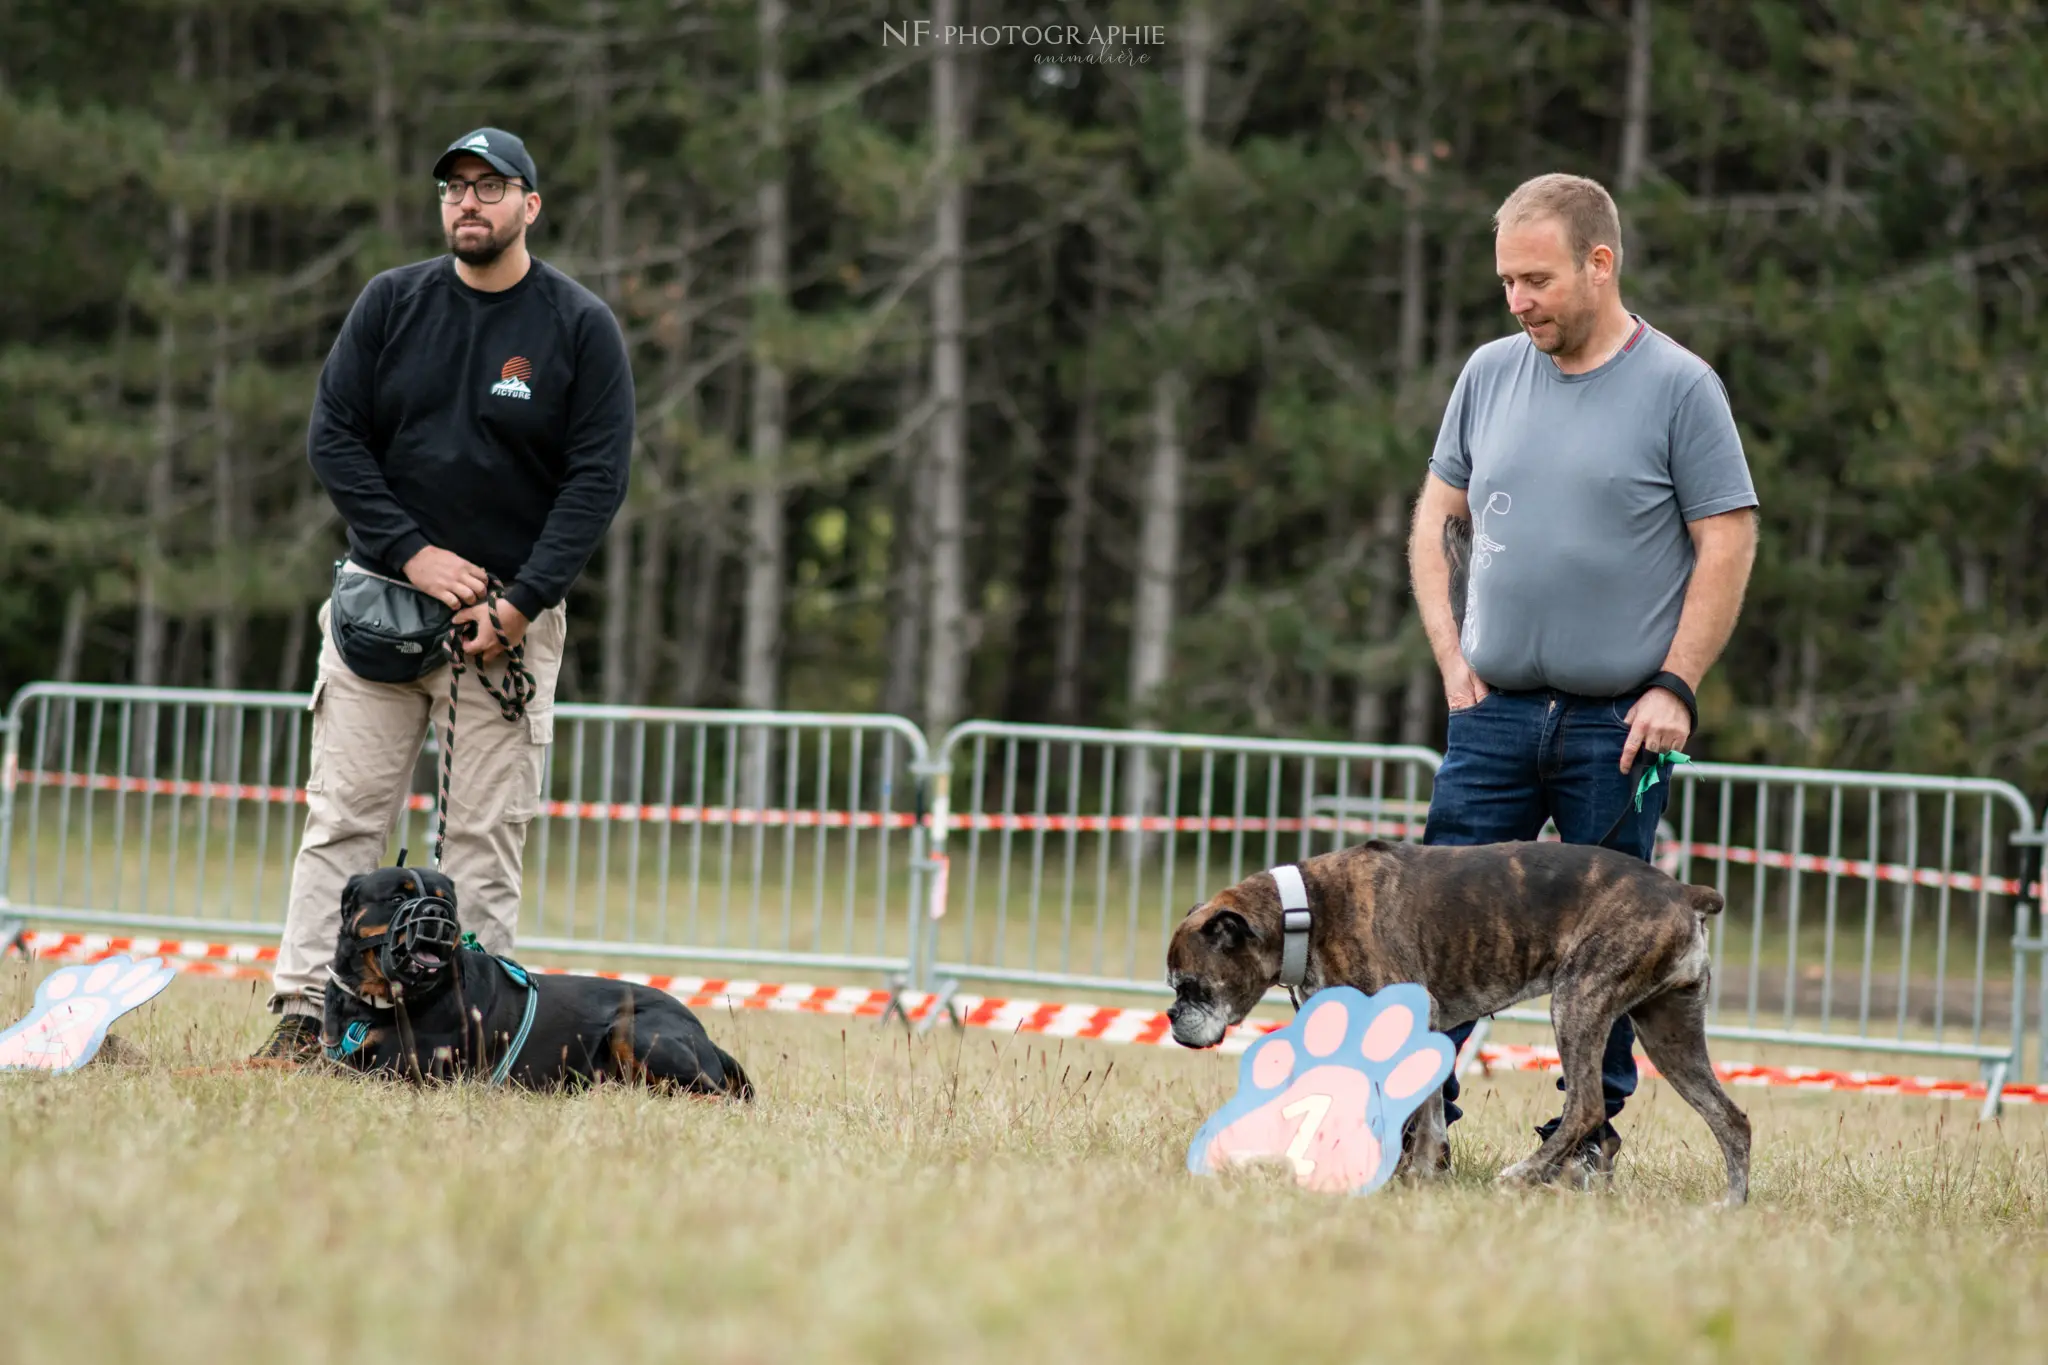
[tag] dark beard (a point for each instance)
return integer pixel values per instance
(490, 249)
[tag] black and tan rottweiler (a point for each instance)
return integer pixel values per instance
(1481, 928)
(407, 996)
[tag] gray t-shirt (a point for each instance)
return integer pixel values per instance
(1580, 487)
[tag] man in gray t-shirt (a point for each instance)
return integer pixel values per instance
(1589, 471)
(1580, 488)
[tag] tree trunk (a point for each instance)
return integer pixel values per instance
(761, 633)
(907, 584)
(150, 631)
(945, 684)
(664, 477)
(1066, 672)
(1158, 548)
(701, 559)
(1372, 704)
(667, 515)
(1425, 684)
(1158, 569)
(594, 95)
(229, 619)
(1160, 514)
(71, 645)
(294, 649)
(1035, 576)
(227, 498)
(761, 637)
(1635, 127)
(151, 625)
(384, 120)
(708, 630)
(1805, 703)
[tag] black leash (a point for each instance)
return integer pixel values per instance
(520, 689)
(1660, 765)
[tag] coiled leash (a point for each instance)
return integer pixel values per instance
(520, 689)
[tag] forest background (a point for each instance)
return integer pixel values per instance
(1046, 383)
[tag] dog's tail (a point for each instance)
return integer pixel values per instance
(1705, 899)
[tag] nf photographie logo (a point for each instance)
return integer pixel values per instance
(1114, 43)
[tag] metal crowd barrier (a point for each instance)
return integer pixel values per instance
(1865, 912)
(781, 839)
(1070, 853)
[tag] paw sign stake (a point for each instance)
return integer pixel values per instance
(74, 1006)
(1330, 1093)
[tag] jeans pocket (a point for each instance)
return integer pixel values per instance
(1618, 709)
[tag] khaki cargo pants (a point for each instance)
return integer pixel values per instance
(366, 743)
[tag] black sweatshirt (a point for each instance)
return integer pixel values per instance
(497, 426)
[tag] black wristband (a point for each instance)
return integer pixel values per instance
(1678, 687)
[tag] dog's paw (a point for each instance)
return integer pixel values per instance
(1330, 1093)
(73, 1007)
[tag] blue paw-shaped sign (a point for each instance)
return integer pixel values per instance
(1330, 1093)
(74, 1006)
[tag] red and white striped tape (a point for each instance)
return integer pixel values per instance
(997, 822)
(1109, 1024)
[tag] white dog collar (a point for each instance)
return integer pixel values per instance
(1294, 922)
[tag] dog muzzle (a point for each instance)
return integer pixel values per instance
(420, 946)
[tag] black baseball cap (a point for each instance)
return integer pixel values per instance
(504, 151)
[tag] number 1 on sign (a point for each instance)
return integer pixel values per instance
(1315, 1107)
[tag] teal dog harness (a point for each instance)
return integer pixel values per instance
(358, 1033)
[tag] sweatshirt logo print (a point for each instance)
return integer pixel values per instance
(512, 380)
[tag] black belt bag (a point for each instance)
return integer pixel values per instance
(386, 631)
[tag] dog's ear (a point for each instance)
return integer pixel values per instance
(1227, 931)
(352, 891)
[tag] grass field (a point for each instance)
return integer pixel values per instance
(958, 1196)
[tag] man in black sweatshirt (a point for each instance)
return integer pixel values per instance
(474, 427)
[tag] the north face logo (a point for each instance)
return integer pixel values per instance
(512, 384)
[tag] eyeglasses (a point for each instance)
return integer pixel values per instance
(489, 189)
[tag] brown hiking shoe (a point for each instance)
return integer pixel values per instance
(294, 1042)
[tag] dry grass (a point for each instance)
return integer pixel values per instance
(958, 1196)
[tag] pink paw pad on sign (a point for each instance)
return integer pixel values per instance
(1330, 1093)
(74, 1005)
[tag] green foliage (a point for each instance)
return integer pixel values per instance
(1840, 211)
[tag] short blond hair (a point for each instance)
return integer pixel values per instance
(1582, 206)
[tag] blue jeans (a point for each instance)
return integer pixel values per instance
(1519, 757)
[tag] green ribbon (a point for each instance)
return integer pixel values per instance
(1664, 763)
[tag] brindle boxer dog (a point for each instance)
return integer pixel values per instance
(1482, 928)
